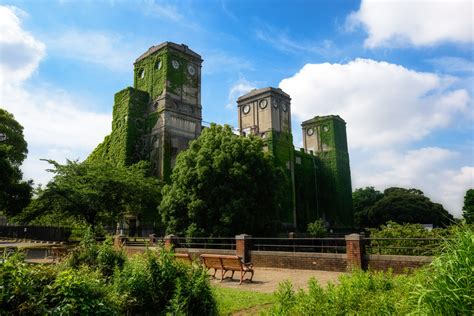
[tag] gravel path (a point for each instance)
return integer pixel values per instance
(267, 279)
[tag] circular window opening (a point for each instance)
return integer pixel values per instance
(325, 128)
(310, 131)
(175, 64)
(284, 106)
(246, 109)
(263, 103)
(275, 104)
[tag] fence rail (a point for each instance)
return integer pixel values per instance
(44, 233)
(206, 243)
(324, 245)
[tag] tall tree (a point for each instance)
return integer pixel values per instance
(96, 192)
(362, 200)
(407, 206)
(468, 208)
(15, 193)
(222, 185)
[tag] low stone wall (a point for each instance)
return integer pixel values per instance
(299, 260)
(398, 264)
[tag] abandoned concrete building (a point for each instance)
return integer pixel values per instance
(157, 118)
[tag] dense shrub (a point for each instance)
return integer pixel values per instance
(99, 280)
(154, 283)
(401, 246)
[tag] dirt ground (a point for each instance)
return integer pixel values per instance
(267, 279)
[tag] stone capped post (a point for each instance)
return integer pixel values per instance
(243, 245)
(170, 241)
(354, 251)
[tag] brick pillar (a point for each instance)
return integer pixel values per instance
(354, 251)
(243, 245)
(170, 242)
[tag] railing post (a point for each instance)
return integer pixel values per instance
(243, 245)
(119, 240)
(354, 251)
(170, 242)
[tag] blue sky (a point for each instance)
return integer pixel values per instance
(399, 72)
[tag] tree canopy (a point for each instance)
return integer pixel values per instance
(399, 205)
(222, 185)
(468, 208)
(96, 193)
(15, 193)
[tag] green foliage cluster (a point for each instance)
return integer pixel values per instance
(399, 240)
(317, 228)
(468, 208)
(101, 281)
(15, 193)
(95, 193)
(129, 125)
(222, 185)
(443, 288)
(372, 208)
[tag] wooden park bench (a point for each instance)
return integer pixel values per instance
(227, 263)
(184, 257)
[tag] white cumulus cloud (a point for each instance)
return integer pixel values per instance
(238, 89)
(389, 109)
(419, 23)
(54, 123)
(383, 104)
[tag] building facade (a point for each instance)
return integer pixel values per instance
(157, 118)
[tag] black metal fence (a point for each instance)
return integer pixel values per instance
(324, 245)
(44, 233)
(403, 246)
(205, 243)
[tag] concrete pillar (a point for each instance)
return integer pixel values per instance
(119, 241)
(170, 242)
(243, 246)
(354, 251)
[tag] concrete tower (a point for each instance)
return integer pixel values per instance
(326, 137)
(266, 112)
(171, 75)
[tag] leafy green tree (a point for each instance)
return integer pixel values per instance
(96, 193)
(407, 206)
(317, 228)
(15, 193)
(222, 185)
(362, 200)
(468, 208)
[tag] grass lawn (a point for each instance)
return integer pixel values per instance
(232, 300)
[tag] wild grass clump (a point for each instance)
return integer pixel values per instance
(449, 284)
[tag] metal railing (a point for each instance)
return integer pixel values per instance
(205, 243)
(321, 245)
(403, 246)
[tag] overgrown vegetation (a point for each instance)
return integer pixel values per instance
(100, 280)
(221, 186)
(443, 288)
(317, 228)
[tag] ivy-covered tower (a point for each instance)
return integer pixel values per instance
(325, 136)
(266, 112)
(161, 114)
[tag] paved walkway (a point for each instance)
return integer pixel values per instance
(267, 279)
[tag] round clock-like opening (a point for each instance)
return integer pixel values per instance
(246, 109)
(175, 64)
(263, 103)
(325, 128)
(284, 106)
(310, 131)
(275, 104)
(191, 70)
